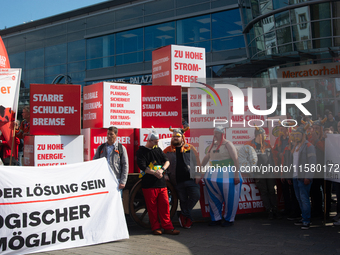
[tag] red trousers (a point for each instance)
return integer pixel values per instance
(157, 203)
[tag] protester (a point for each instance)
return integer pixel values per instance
(6, 151)
(317, 139)
(337, 117)
(281, 143)
(302, 158)
(183, 159)
(152, 161)
(330, 123)
(338, 128)
(291, 204)
(116, 156)
(21, 145)
(265, 182)
(25, 124)
(223, 184)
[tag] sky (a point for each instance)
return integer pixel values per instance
(16, 12)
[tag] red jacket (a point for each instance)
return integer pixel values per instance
(6, 149)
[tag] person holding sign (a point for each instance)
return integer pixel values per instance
(153, 163)
(222, 179)
(183, 158)
(116, 156)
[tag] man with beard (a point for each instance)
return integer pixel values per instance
(183, 159)
(224, 182)
(302, 159)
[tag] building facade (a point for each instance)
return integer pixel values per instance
(114, 40)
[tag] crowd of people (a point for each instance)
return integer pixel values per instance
(299, 146)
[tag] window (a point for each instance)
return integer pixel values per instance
(297, 13)
(35, 58)
(100, 47)
(283, 35)
(282, 19)
(129, 41)
(55, 55)
(193, 29)
(320, 11)
(321, 29)
(76, 51)
(227, 43)
(159, 35)
(226, 23)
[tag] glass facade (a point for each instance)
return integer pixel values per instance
(305, 31)
(220, 33)
(116, 43)
(292, 29)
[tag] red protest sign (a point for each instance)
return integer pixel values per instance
(161, 106)
(55, 109)
(93, 106)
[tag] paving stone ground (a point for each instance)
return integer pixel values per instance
(252, 234)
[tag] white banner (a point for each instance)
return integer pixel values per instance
(187, 65)
(122, 105)
(9, 88)
(59, 207)
(332, 160)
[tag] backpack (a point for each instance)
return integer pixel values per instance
(120, 149)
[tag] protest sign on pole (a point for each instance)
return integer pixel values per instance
(59, 207)
(9, 95)
(4, 60)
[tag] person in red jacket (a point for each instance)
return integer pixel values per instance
(6, 151)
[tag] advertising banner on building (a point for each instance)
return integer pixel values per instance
(329, 70)
(53, 208)
(161, 106)
(9, 95)
(95, 137)
(178, 65)
(55, 109)
(53, 150)
(332, 161)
